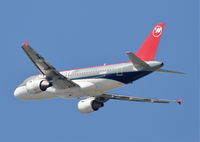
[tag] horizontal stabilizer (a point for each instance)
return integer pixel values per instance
(169, 71)
(137, 62)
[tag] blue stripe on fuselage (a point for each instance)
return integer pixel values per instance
(125, 77)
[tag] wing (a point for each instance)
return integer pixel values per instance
(52, 75)
(105, 97)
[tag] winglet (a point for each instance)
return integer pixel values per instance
(180, 101)
(27, 43)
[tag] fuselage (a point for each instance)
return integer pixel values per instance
(93, 81)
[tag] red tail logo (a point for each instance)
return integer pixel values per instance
(157, 31)
(148, 50)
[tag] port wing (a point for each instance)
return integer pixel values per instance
(52, 75)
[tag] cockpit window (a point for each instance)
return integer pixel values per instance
(26, 80)
(22, 84)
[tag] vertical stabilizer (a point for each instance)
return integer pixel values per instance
(147, 51)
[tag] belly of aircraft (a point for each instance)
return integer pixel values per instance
(88, 87)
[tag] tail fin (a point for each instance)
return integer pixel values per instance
(147, 51)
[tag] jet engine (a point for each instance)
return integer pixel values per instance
(89, 105)
(36, 86)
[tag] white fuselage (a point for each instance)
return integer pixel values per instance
(93, 81)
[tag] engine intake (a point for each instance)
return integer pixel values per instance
(89, 105)
(36, 86)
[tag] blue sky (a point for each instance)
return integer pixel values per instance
(81, 33)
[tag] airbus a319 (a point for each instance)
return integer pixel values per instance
(92, 83)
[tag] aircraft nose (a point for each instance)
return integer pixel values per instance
(19, 92)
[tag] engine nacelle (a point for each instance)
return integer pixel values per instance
(36, 86)
(89, 105)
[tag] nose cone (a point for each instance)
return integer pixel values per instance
(17, 93)
(20, 92)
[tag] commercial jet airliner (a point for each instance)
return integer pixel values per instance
(92, 83)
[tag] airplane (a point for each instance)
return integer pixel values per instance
(92, 83)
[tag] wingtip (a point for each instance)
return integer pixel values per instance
(27, 43)
(180, 101)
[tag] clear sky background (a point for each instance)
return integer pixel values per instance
(81, 33)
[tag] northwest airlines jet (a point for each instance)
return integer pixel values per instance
(92, 83)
